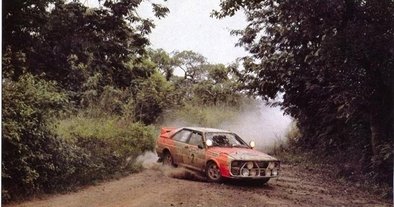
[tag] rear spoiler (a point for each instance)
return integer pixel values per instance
(165, 130)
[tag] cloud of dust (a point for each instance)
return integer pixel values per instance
(149, 160)
(262, 123)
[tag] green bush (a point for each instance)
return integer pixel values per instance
(151, 97)
(112, 143)
(35, 160)
(144, 101)
(29, 105)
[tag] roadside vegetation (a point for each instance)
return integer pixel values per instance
(83, 93)
(333, 63)
(333, 166)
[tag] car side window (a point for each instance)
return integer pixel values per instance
(182, 135)
(196, 139)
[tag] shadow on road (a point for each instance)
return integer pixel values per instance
(254, 184)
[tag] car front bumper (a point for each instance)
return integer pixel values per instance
(254, 169)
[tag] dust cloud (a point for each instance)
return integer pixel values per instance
(149, 160)
(262, 123)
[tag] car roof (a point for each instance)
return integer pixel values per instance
(205, 129)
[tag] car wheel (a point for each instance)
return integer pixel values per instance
(167, 159)
(213, 172)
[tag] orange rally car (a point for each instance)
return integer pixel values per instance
(217, 153)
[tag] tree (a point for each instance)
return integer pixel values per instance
(22, 25)
(164, 62)
(217, 87)
(70, 43)
(191, 64)
(92, 54)
(151, 99)
(203, 83)
(333, 60)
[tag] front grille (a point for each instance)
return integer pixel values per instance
(235, 170)
(262, 164)
(245, 169)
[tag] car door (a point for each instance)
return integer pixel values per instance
(196, 151)
(181, 152)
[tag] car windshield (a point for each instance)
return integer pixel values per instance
(223, 139)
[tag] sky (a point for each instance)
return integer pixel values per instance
(189, 26)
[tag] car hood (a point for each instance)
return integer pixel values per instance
(242, 153)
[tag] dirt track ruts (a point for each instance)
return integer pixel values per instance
(157, 187)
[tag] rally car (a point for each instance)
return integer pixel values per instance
(216, 153)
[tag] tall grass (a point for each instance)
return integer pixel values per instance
(123, 137)
(111, 143)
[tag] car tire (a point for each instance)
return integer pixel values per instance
(168, 159)
(213, 172)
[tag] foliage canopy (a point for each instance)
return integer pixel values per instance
(333, 61)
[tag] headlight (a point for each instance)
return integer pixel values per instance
(245, 172)
(274, 172)
(253, 172)
(249, 165)
(271, 165)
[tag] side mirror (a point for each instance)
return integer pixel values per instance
(209, 143)
(252, 144)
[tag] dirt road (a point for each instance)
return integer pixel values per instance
(158, 186)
